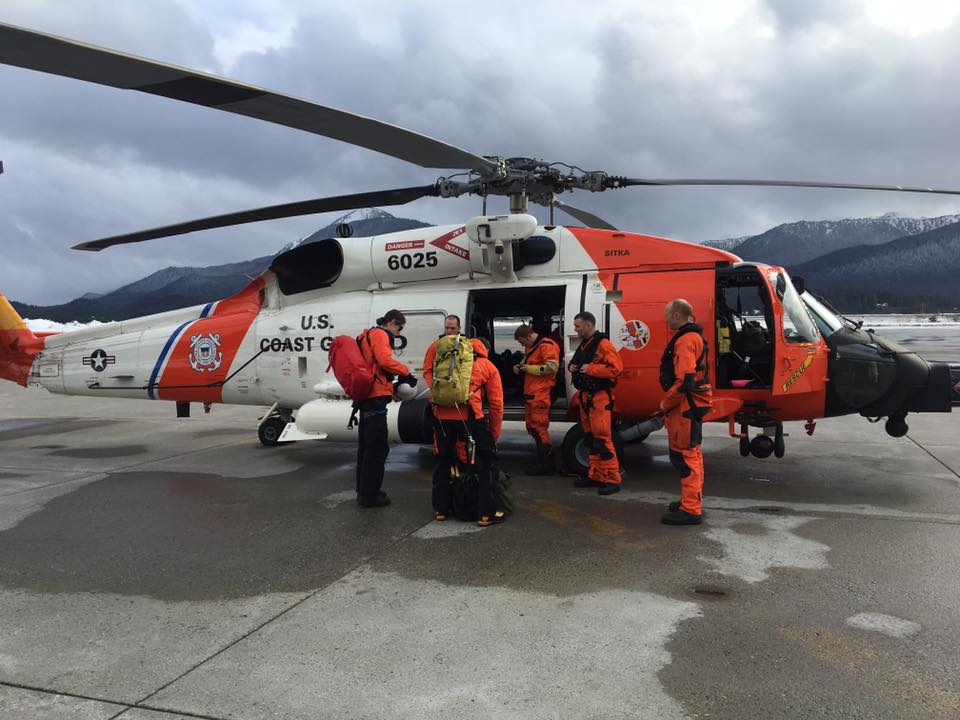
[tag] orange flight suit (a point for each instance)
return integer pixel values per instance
(687, 400)
(596, 406)
(541, 363)
(376, 346)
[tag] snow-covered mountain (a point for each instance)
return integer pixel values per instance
(364, 222)
(727, 243)
(794, 243)
(920, 269)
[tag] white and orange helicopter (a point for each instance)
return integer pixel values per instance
(777, 353)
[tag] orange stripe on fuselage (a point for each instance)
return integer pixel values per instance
(206, 350)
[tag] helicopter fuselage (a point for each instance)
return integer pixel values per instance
(267, 344)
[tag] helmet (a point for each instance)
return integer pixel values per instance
(403, 391)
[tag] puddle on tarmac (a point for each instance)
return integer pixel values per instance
(192, 536)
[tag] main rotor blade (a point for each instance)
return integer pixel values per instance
(625, 182)
(60, 56)
(588, 219)
(400, 196)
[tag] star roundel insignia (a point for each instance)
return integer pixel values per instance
(98, 360)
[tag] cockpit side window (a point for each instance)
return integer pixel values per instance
(798, 326)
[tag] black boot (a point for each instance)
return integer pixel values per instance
(675, 506)
(680, 517)
(545, 464)
(381, 499)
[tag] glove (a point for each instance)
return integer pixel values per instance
(408, 380)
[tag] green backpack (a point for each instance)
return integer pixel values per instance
(452, 369)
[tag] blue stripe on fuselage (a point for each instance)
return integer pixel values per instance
(163, 356)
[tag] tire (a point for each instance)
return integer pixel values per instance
(270, 430)
(575, 453)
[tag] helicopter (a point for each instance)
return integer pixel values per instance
(778, 353)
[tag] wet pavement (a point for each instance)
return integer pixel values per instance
(154, 568)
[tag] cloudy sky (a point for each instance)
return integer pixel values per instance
(841, 90)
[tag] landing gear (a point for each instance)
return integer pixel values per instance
(770, 442)
(273, 425)
(575, 451)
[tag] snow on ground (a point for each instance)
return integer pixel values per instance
(40, 325)
(909, 320)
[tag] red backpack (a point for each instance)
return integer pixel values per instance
(353, 371)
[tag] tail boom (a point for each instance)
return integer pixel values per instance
(18, 345)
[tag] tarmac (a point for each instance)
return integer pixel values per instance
(154, 568)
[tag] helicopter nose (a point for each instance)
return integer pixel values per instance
(877, 377)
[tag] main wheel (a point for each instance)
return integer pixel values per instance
(576, 454)
(270, 430)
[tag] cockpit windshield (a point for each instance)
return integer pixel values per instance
(825, 318)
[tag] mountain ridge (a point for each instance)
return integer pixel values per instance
(175, 287)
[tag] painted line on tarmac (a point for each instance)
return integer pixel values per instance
(596, 526)
(875, 668)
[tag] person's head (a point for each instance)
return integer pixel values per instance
(481, 343)
(525, 335)
(585, 324)
(392, 321)
(678, 313)
(451, 325)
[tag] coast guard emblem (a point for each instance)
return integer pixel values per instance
(205, 355)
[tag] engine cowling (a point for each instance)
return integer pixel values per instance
(484, 245)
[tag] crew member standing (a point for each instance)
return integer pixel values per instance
(685, 380)
(539, 370)
(463, 422)
(376, 346)
(451, 326)
(595, 367)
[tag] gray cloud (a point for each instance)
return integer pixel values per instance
(752, 90)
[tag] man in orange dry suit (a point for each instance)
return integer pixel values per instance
(459, 423)
(595, 367)
(684, 378)
(539, 369)
(451, 326)
(376, 346)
